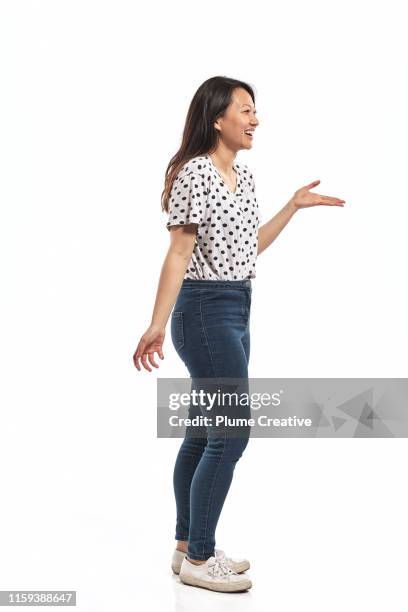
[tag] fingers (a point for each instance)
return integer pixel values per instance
(138, 353)
(143, 356)
(144, 362)
(151, 359)
(311, 185)
(329, 201)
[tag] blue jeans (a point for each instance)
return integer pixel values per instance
(210, 332)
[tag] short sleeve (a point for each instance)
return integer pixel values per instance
(186, 201)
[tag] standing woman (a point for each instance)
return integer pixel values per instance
(215, 238)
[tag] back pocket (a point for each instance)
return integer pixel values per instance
(177, 329)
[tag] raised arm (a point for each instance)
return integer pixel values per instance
(302, 198)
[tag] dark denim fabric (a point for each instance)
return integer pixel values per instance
(210, 332)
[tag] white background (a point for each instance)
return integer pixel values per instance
(94, 98)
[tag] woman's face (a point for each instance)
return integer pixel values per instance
(239, 118)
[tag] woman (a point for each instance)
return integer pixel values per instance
(215, 238)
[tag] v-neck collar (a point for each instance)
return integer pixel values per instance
(234, 165)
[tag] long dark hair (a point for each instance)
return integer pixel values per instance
(199, 135)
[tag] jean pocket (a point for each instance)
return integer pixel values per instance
(177, 329)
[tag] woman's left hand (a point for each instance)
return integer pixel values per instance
(304, 198)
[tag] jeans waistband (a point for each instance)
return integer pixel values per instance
(216, 284)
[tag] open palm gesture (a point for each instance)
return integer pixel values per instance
(304, 198)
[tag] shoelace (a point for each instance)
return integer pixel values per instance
(220, 554)
(218, 567)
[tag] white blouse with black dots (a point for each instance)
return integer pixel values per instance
(227, 235)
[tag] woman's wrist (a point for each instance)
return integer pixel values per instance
(157, 325)
(292, 206)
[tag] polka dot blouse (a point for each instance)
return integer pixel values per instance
(227, 235)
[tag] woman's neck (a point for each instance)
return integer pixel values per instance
(223, 160)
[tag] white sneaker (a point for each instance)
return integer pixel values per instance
(237, 565)
(214, 574)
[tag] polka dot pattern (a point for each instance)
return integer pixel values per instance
(227, 234)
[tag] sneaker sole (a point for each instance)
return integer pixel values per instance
(238, 567)
(235, 587)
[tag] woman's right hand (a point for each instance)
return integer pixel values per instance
(151, 342)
